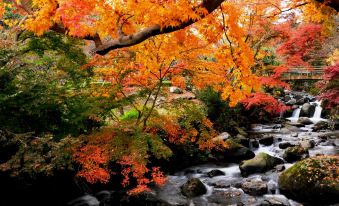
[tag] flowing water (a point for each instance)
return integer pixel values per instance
(225, 189)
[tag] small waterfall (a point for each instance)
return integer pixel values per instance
(317, 113)
(295, 115)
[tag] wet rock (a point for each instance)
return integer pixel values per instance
(86, 200)
(175, 90)
(254, 187)
(146, 199)
(280, 168)
(214, 173)
(320, 126)
(309, 179)
(254, 143)
(304, 121)
(193, 188)
(236, 152)
(285, 145)
(275, 200)
(307, 110)
(295, 153)
(307, 144)
(262, 162)
(267, 140)
(230, 196)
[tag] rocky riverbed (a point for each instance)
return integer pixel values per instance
(254, 181)
(291, 163)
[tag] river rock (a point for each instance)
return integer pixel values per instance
(307, 144)
(307, 110)
(175, 90)
(320, 126)
(230, 196)
(254, 187)
(254, 143)
(295, 153)
(275, 200)
(268, 140)
(86, 200)
(236, 152)
(193, 188)
(314, 179)
(214, 173)
(280, 168)
(304, 121)
(285, 145)
(262, 162)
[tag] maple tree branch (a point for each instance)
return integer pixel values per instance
(142, 35)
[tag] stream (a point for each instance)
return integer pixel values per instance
(227, 188)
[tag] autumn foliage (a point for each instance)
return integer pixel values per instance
(138, 47)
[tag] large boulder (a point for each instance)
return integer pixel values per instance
(262, 162)
(313, 179)
(307, 110)
(236, 152)
(295, 153)
(304, 121)
(193, 188)
(254, 187)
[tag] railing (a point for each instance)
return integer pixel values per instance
(303, 73)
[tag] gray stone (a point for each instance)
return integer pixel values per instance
(193, 188)
(307, 144)
(275, 200)
(254, 187)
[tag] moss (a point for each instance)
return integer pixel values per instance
(312, 178)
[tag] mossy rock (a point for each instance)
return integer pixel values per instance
(313, 178)
(262, 162)
(295, 153)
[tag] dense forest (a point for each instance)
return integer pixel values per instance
(169, 102)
